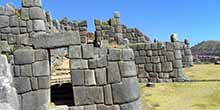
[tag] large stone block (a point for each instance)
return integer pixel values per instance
(88, 51)
(92, 63)
(178, 54)
(126, 91)
(36, 100)
(177, 64)
(127, 69)
(41, 54)
(25, 13)
(4, 21)
(131, 106)
(26, 70)
(31, 3)
(75, 52)
(108, 107)
(102, 61)
(36, 13)
(44, 82)
(56, 39)
(170, 56)
(76, 108)
(34, 83)
(77, 77)
(22, 84)
(39, 25)
(113, 75)
(90, 107)
(127, 54)
(24, 56)
(90, 77)
(13, 21)
(88, 95)
(108, 95)
(140, 60)
(148, 67)
(78, 64)
(41, 68)
(114, 54)
(100, 76)
(167, 67)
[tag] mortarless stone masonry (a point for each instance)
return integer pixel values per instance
(102, 78)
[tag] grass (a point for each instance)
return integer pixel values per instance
(181, 96)
(185, 96)
(203, 72)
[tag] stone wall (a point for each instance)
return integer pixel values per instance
(28, 40)
(112, 30)
(162, 61)
(103, 79)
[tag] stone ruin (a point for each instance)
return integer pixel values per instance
(98, 77)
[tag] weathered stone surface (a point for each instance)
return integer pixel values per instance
(126, 91)
(4, 47)
(140, 60)
(90, 77)
(41, 68)
(148, 67)
(131, 106)
(75, 52)
(17, 70)
(24, 56)
(25, 13)
(100, 76)
(113, 74)
(41, 54)
(22, 84)
(127, 54)
(167, 67)
(127, 69)
(39, 25)
(108, 95)
(13, 21)
(177, 64)
(23, 39)
(88, 51)
(26, 70)
(77, 77)
(36, 13)
(78, 64)
(40, 101)
(114, 54)
(170, 56)
(56, 39)
(76, 108)
(90, 107)
(102, 61)
(108, 107)
(88, 95)
(178, 54)
(4, 21)
(34, 83)
(92, 63)
(155, 59)
(43, 82)
(31, 3)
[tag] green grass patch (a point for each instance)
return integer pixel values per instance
(181, 96)
(203, 72)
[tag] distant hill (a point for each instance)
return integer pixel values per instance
(211, 47)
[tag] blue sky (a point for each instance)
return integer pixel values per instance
(197, 20)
